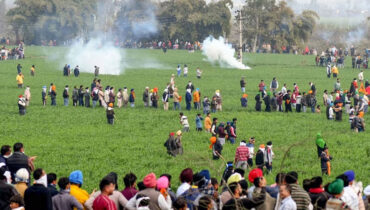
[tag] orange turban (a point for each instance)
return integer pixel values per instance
(213, 140)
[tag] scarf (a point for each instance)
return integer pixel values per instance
(43, 180)
(316, 190)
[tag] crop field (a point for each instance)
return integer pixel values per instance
(70, 138)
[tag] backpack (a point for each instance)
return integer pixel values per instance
(65, 94)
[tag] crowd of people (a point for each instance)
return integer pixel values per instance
(23, 186)
(354, 101)
(13, 53)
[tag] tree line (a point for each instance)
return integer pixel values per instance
(264, 21)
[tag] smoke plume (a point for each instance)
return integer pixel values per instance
(217, 51)
(96, 53)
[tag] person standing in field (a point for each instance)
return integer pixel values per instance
(335, 71)
(206, 105)
(110, 114)
(75, 96)
(214, 127)
(53, 94)
(199, 73)
(120, 97)
(154, 98)
(361, 76)
(66, 96)
(241, 156)
(242, 84)
(250, 146)
(170, 144)
(27, 95)
(180, 149)
(165, 98)
(218, 100)
(125, 97)
(20, 80)
(274, 85)
(207, 122)
(81, 96)
(260, 157)
(328, 70)
(146, 97)
(176, 100)
(21, 105)
(288, 105)
(19, 68)
(198, 122)
(112, 95)
(95, 96)
(44, 95)
(261, 88)
(76, 71)
(87, 97)
(268, 156)
(96, 71)
(178, 70)
(184, 122)
(33, 70)
(244, 100)
(188, 98)
(132, 98)
(186, 70)
(196, 99)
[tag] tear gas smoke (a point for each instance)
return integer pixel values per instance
(217, 51)
(95, 53)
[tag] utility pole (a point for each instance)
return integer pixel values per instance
(240, 37)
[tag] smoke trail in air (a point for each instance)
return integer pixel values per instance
(217, 51)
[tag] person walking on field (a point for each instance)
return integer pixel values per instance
(176, 100)
(241, 156)
(198, 122)
(53, 94)
(325, 159)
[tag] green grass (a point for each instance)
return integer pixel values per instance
(70, 138)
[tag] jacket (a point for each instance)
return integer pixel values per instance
(196, 97)
(80, 194)
(17, 161)
(300, 197)
(37, 197)
(319, 198)
(207, 123)
(269, 202)
(64, 201)
(6, 192)
(116, 197)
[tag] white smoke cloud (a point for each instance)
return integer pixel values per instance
(96, 53)
(217, 51)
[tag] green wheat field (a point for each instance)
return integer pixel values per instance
(70, 138)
